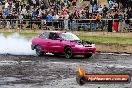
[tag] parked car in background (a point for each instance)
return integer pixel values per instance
(58, 43)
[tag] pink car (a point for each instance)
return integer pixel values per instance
(66, 43)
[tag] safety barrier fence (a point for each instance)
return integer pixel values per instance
(60, 24)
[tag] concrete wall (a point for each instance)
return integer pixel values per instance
(112, 47)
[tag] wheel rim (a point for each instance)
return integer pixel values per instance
(38, 50)
(68, 53)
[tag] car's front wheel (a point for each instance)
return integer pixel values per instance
(39, 51)
(68, 53)
(88, 55)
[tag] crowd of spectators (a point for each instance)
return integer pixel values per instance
(48, 11)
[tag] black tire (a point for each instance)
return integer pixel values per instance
(68, 52)
(88, 55)
(39, 51)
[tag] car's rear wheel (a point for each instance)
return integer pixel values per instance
(39, 51)
(68, 53)
(88, 55)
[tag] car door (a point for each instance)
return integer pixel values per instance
(54, 42)
(44, 41)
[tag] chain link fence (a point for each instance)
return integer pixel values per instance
(92, 25)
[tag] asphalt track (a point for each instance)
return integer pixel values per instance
(31, 71)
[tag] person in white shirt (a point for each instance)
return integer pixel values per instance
(24, 11)
(6, 5)
(56, 16)
(20, 16)
(100, 9)
(66, 16)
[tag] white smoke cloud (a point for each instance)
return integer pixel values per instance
(15, 44)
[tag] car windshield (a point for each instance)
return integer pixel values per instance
(69, 36)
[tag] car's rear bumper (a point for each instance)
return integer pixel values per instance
(83, 50)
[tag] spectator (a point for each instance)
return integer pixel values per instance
(129, 12)
(38, 10)
(127, 22)
(56, 16)
(8, 17)
(49, 19)
(110, 23)
(6, 12)
(116, 22)
(100, 9)
(24, 11)
(120, 26)
(87, 14)
(66, 16)
(110, 3)
(0, 8)
(20, 16)
(74, 2)
(94, 8)
(98, 18)
(115, 6)
(6, 5)
(33, 12)
(70, 20)
(105, 9)
(57, 8)
(17, 6)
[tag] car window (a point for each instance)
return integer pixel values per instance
(53, 36)
(69, 36)
(44, 35)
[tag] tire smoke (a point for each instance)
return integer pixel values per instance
(15, 44)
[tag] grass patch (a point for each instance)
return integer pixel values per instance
(94, 39)
(107, 39)
(26, 35)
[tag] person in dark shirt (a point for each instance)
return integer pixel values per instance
(14, 19)
(129, 12)
(127, 22)
(87, 14)
(37, 11)
(105, 10)
(37, 2)
(27, 7)
(70, 20)
(110, 23)
(17, 6)
(1, 17)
